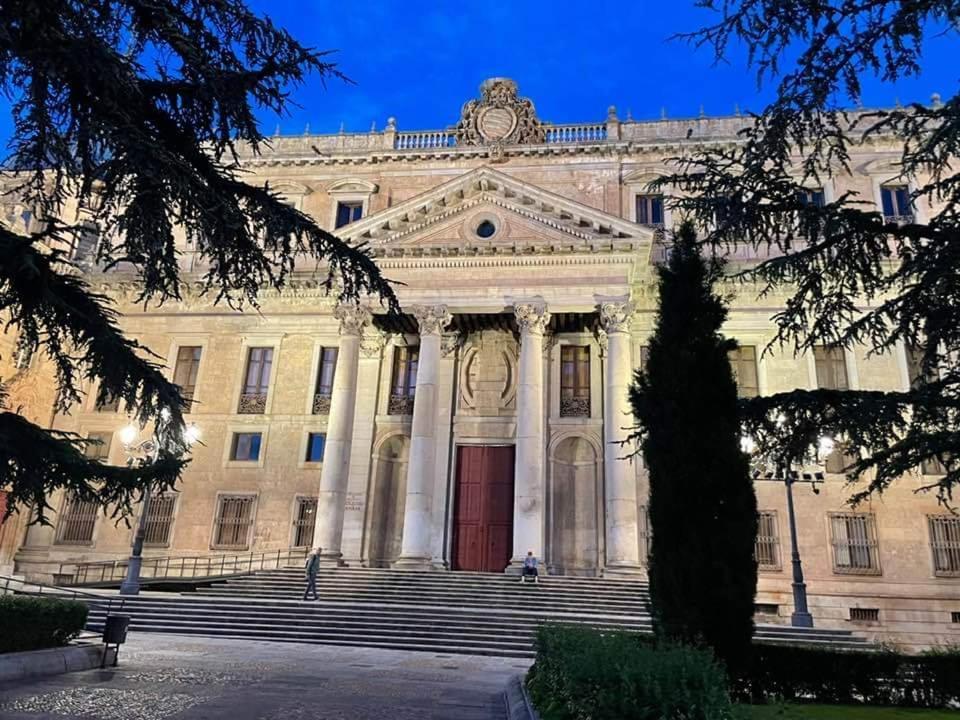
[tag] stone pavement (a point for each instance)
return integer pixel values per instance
(170, 677)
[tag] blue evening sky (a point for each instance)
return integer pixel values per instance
(419, 61)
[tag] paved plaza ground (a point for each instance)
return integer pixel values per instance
(169, 677)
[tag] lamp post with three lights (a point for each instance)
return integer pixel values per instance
(139, 454)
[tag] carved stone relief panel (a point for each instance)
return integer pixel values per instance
(488, 375)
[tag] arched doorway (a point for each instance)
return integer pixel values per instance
(574, 504)
(387, 496)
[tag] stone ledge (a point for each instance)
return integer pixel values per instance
(52, 661)
(517, 701)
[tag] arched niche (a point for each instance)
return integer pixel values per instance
(388, 488)
(575, 502)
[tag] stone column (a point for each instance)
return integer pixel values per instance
(336, 456)
(415, 549)
(620, 482)
(528, 496)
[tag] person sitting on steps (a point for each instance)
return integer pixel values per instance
(530, 568)
(312, 566)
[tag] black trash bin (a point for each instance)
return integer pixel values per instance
(115, 629)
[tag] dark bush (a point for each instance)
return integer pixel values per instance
(581, 673)
(32, 623)
(823, 675)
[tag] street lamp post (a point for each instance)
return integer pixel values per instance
(139, 454)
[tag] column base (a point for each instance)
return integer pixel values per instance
(413, 563)
(331, 560)
(625, 570)
(801, 619)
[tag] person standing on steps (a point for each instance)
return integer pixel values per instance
(312, 567)
(530, 568)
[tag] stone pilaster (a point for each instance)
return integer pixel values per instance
(623, 554)
(415, 548)
(450, 344)
(336, 461)
(532, 319)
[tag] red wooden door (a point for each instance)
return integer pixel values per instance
(483, 512)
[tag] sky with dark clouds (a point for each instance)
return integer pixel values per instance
(420, 61)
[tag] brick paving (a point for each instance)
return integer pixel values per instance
(169, 677)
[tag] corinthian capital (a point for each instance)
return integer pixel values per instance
(352, 318)
(615, 317)
(532, 317)
(432, 319)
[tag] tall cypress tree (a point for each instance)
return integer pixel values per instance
(703, 511)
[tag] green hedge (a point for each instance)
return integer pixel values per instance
(33, 623)
(823, 675)
(580, 674)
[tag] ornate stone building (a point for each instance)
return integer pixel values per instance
(484, 421)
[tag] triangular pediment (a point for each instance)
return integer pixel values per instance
(528, 214)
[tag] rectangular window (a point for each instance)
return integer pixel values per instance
(99, 450)
(575, 381)
(159, 520)
(767, 550)
(76, 523)
(323, 390)
(933, 466)
(854, 540)
(743, 362)
(316, 442)
(185, 372)
(896, 203)
(23, 353)
(234, 520)
(814, 198)
(650, 210)
(644, 356)
(348, 212)
(111, 403)
(304, 520)
(945, 544)
(404, 383)
(645, 535)
(831, 368)
(916, 372)
(246, 447)
(253, 399)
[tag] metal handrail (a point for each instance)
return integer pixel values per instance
(56, 590)
(172, 567)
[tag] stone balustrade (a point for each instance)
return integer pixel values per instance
(427, 139)
(579, 133)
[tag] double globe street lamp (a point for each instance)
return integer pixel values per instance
(782, 471)
(141, 453)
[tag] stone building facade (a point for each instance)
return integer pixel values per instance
(484, 421)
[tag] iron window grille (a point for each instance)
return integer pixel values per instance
(159, 520)
(304, 521)
(253, 399)
(767, 548)
(854, 541)
(743, 363)
(77, 522)
(575, 381)
(234, 520)
(945, 544)
(185, 373)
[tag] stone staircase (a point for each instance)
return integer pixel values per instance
(483, 614)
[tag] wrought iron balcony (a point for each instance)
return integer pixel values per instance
(900, 219)
(400, 405)
(252, 404)
(321, 404)
(574, 407)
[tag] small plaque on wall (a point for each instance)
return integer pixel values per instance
(354, 502)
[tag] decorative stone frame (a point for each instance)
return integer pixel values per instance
(886, 171)
(235, 428)
(597, 373)
(292, 192)
(348, 190)
(255, 341)
(635, 183)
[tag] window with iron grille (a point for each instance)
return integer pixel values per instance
(767, 549)
(159, 520)
(743, 362)
(865, 615)
(831, 368)
(77, 521)
(323, 390)
(645, 535)
(650, 210)
(253, 399)
(99, 450)
(945, 544)
(245, 447)
(234, 520)
(348, 212)
(23, 353)
(575, 381)
(853, 537)
(185, 372)
(111, 403)
(404, 383)
(304, 520)
(897, 206)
